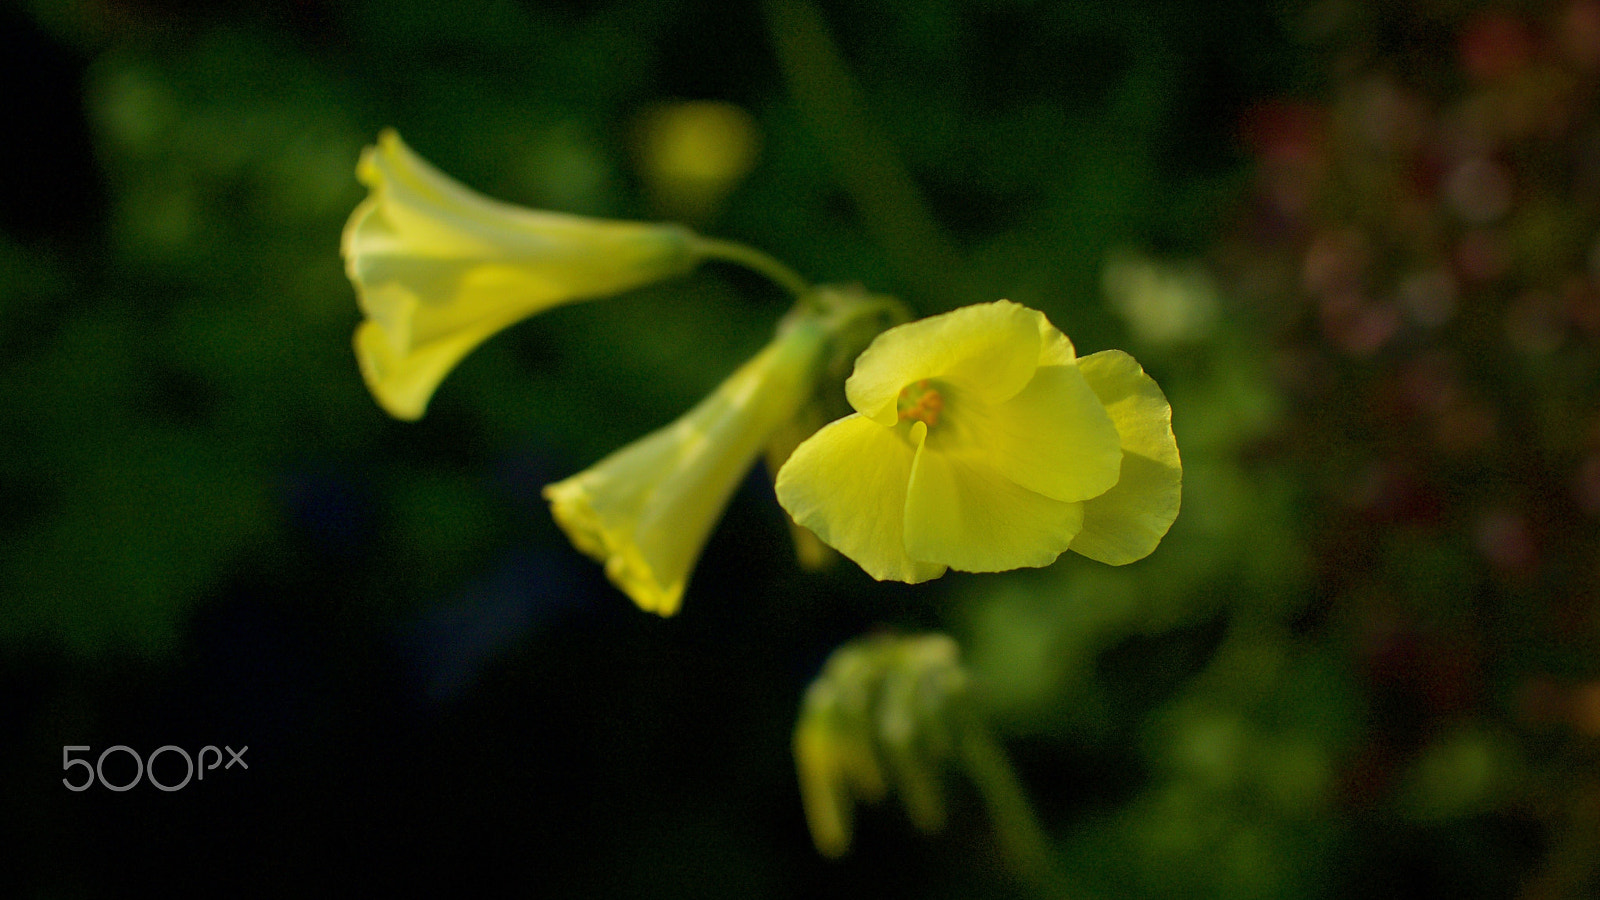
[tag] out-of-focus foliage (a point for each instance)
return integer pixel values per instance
(1355, 243)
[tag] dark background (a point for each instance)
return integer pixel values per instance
(1355, 243)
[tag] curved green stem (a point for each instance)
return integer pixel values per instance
(755, 261)
(1022, 838)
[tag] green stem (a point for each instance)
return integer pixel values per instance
(1022, 838)
(754, 260)
(891, 204)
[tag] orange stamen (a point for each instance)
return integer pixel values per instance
(920, 401)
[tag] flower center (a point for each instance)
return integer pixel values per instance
(920, 401)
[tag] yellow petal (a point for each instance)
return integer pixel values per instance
(1055, 349)
(1128, 521)
(1053, 438)
(963, 513)
(989, 350)
(403, 383)
(647, 509)
(434, 263)
(848, 484)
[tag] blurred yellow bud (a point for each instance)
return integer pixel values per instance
(438, 269)
(836, 764)
(692, 154)
(887, 713)
(1163, 303)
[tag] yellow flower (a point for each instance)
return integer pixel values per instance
(439, 268)
(980, 442)
(647, 509)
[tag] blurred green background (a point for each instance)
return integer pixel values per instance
(1355, 242)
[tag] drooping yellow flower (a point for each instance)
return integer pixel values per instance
(980, 442)
(647, 509)
(438, 269)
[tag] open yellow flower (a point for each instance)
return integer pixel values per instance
(438, 269)
(647, 509)
(980, 442)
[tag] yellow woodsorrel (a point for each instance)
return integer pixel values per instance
(981, 442)
(646, 510)
(439, 268)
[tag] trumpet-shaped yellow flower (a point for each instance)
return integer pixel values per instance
(981, 442)
(647, 509)
(438, 269)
